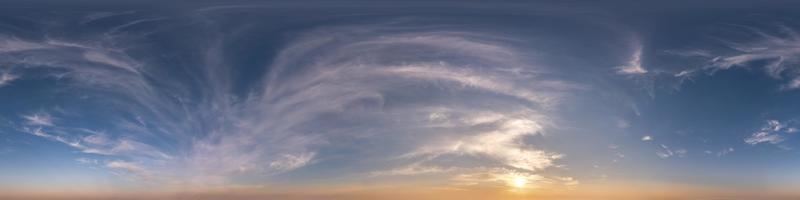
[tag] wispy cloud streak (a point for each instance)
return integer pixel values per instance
(329, 88)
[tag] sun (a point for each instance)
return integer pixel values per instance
(520, 182)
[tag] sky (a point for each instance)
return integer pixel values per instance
(399, 99)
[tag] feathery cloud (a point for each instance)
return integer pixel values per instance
(769, 133)
(38, 120)
(6, 78)
(194, 130)
(128, 167)
(634, 65)
(777, 47)
(666, 152)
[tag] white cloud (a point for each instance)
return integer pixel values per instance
(6, 78)
(773, 125)
(8, 44)
(500, 143)
(634, 65)
(666, 152)
(41, 133)
(331, 76)
(725, 152)
(116, 29)
(87, 161)
(414, 169)
(779, 50)
(104, 58)
(763, 136)
(647, 138)
(38, 119)
(132, 147)
(770, 133)
(684, 73)
(504, 76)
(291, 161)
(356, 66)
(463, 77)
(128, 167)
(97, 139)
(66, 61)
(793, 84)
(97, 143)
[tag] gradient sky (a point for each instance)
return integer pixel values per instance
(370, 99)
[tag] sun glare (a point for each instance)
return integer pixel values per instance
(520, 182)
